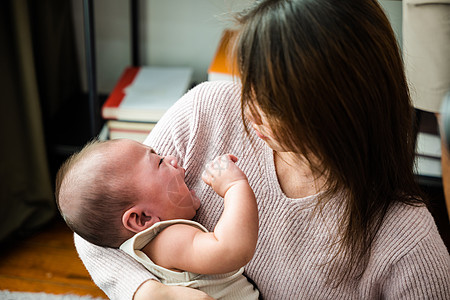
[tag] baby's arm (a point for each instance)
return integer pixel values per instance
(233, 242)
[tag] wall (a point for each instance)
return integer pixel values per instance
(174, 33)
(393, 10)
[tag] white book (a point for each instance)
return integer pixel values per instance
(145, 93)
(428, 166)
(428, 145)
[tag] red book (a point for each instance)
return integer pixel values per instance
(144, 94)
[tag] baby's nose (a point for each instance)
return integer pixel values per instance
(172, 160)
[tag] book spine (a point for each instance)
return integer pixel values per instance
(109, 109)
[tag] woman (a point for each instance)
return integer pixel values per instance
(330, 160)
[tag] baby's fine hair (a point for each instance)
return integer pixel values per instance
(91, 197)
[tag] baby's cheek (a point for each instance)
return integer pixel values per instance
(178, 192)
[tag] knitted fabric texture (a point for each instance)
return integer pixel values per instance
(408, 261)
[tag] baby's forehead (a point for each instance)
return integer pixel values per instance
(120, 152)
(97, 159)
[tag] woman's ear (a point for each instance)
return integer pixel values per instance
(136, 219)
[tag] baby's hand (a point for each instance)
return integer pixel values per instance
(222, 173)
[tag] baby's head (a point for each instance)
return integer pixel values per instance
(113, 189)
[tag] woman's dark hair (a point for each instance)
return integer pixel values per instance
(329, 76)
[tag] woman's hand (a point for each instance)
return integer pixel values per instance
(153, 289)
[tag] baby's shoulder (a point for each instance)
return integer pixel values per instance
(172, 234)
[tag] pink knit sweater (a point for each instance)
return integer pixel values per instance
(409, 259)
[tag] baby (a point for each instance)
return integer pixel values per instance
(121, 193)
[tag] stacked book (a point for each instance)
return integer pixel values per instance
(140, 98)
(428, 155)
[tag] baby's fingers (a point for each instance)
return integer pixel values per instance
(231, 157)
(207, 177)
(218, 167)
(223, 162)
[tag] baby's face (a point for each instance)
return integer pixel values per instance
(158, 180)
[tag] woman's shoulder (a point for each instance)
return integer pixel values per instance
(207, 94)
(216, 105)
(406, 227)
(406, 218)
(409, 250)
(216, 93)
(202, 104)
(217, 88)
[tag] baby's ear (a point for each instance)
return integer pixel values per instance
(135, 219)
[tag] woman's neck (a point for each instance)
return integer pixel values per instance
(295, 177)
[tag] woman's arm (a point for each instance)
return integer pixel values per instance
(107, 268)
(114, 271)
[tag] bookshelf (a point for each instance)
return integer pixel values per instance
(89, 33)
(428, 155)
(79, 120)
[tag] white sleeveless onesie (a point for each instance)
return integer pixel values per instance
(229, 286)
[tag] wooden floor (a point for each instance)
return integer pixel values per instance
(45, 262)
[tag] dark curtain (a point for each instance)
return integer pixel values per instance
(38, 77)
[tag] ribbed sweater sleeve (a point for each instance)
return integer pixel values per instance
(114, 271)
(418, 260)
